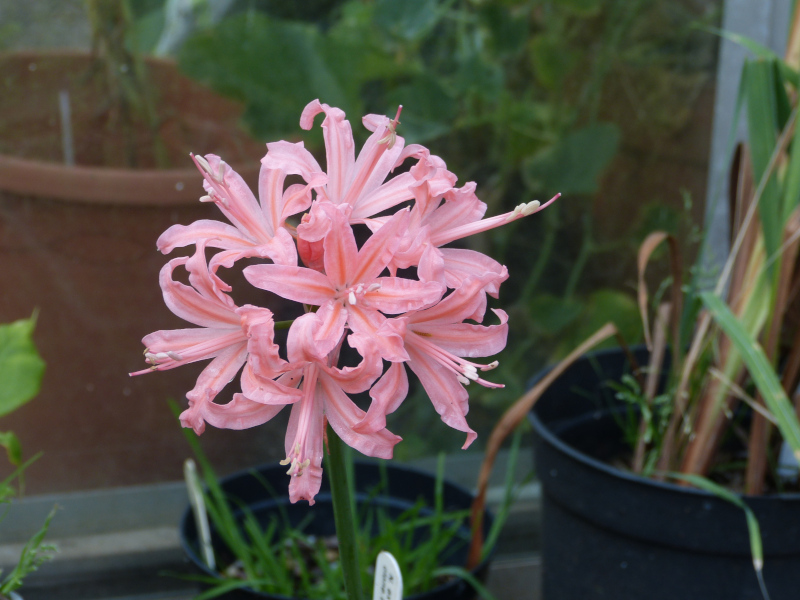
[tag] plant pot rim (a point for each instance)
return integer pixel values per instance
(103, 185)
(324, 497)
(547, 435)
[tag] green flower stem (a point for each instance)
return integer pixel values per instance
(336, 467)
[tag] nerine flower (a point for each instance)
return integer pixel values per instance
(345, 289)
(439, 344)
(257, 229)
(324, 398)
(357, 182)
(226, 334)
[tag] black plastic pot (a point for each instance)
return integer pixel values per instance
(406, 486)
(612, 534)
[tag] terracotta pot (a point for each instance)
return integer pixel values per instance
(78, 244)
(193, 119)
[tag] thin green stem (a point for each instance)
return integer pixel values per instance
(283, 324)
(336, 467)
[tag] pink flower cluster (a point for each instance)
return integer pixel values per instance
(430, 324)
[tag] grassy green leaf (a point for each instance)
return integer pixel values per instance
(760, 51)
(753, 529)
(21, 367)
(575, 163)
(760, 369)
(762, 122)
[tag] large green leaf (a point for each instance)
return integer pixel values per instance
(21, 367)
(409, 19)
(600, 307)
(277, 67)
(575, 163)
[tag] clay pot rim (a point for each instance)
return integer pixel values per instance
(104, 185)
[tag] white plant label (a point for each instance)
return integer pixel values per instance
(388, 579)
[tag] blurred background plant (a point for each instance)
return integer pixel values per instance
(21, 372)
(525, 97)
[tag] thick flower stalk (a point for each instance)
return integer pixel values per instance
(300, 243)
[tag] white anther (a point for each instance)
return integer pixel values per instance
(490, 366)
(463, 380)
(174, 355)
(221, 176)
(470, 369)
(530, 208)
(514, 213)
(471, 375)
(285, 461)
(373, 287)
(206, 199)
(203, 163)
(352, 298)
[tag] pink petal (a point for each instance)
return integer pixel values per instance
(332, 317)
(259, 326)
(233, 197)
(374, 162)
(184, 346)
(387, 395)
(465, 339)
(217, 374)
(343, 415)
(456, 307)
(390, 194)
(461, 208)
(293, 283)
(188, 304)
(397, 295)
(216, 234)
(315, 225)
(339, 145)
(460, 264)
(303, 441)
(431, 265)
(388, 334)
(378, 250)
(341, 251)
(448, 396)
(354, 380)
(294, 159)
(270, 193)
(239, 413)
(266, 391)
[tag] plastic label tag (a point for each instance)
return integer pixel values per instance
(388, 579)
